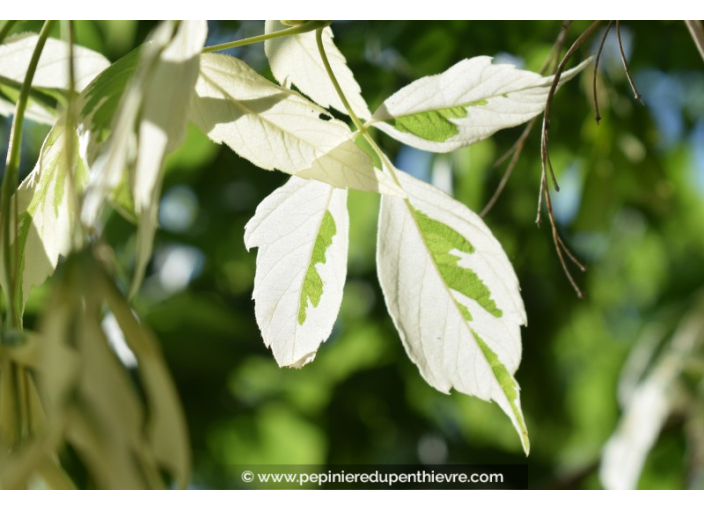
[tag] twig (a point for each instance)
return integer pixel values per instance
(697, 32)
(556, 49)
(597, 115)
(544, 192)
(560, 246)
(544, 156)
(625, 64)
(571, 255)
(515, 151)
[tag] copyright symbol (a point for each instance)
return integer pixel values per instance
(247, 476)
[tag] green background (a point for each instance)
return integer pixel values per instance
(630, 207)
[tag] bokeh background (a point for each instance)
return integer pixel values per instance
(631, 207)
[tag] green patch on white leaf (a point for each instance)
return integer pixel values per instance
(313, 284)
(508, 385)
(435, 125)
(441, 240)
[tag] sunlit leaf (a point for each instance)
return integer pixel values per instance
(101, 98)
(467, 103)
(295, 60)
(34, 112)
(116, 156)
(301, 231)
(46, 212)
(164, 115)
(276, 128)
(52, 71)
(151, 123)
(453, 296)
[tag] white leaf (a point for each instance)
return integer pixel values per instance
(626, 450)
(453, 296)
(469, 102)
(34, 112)
(151, 123)
(109, 169)
(46, 212)
(650, 404)
(276, 128)
(301, 231)
(296, 60)
(52, 71)
(164, 116)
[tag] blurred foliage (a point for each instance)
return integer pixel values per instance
(631, 207)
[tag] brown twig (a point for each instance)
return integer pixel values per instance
(556, 48)
(544, 156)
(625, 64)
(697, 32)
(597, 115)
(560, 246)
(515, 151)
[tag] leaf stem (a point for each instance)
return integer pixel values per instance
(6, 28)
(335, 83)
(300, 29)
(70, 134)
(9, 183)
(358, 123)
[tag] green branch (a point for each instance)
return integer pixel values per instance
(6, 28)
(309, 26)
(11, 177)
